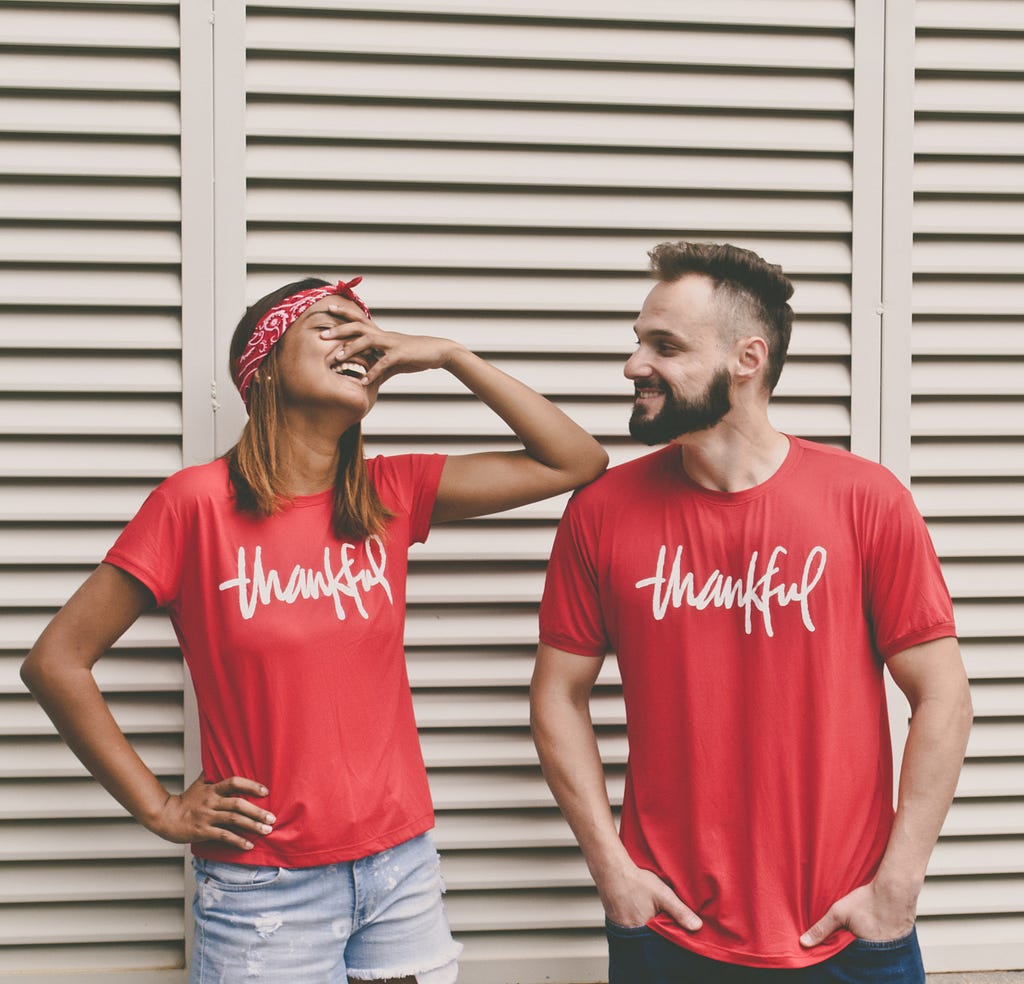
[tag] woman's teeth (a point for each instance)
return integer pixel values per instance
(354, 369)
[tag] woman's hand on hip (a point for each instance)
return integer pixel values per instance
(215, 811)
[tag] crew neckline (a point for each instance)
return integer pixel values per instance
(315, 499)
(744, 495)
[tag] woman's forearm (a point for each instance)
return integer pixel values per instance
(72, 699)
(548, 435)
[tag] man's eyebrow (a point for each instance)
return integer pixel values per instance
(657, 333)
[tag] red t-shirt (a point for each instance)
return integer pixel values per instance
(294, 640)
(751, 630)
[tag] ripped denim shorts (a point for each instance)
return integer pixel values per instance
(375, 918)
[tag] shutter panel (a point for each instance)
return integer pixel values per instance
(497, 172)
(967, 448)
(497, 169)
(90, 404)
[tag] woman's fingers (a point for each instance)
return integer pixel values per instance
(226, 799)
(222, 813)
(236, 785)
(386, 353)
(245, 814)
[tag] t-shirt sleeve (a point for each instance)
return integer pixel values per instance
(150, 546)
(908, 600)
(570, 610)
(415, 480)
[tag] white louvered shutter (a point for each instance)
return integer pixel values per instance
(967, 448)
(497, 172)
(90, 386)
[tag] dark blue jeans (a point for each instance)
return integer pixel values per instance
(641, 956)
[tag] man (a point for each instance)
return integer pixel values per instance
(752, 585)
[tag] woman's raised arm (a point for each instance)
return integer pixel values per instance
(558, 455)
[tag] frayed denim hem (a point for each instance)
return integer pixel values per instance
(446, 973)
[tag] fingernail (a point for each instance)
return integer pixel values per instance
(265, 829)
(248, 846)
(270, 818)
(264, 791)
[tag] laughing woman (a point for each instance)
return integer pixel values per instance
(282, 567)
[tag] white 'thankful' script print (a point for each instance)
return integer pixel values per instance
(754, 591)
(263, 587)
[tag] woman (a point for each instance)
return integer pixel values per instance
(282, 567)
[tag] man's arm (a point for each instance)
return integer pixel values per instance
(933, 678)
(564, 734)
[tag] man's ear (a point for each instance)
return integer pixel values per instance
(751, 354)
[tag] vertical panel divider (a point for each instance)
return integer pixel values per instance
(197, 301)
(229, 208)
(897, 238)
(212, 259)
(897, 241)
(866, 259)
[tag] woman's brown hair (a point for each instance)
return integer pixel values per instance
(254, 462)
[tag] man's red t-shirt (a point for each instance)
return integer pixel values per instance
(751, 630)
(294, 640)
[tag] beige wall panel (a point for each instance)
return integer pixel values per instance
(497, 171)
(111, 329)
(676, 130)
(115, 115)
(790, 13)
(98, 72)
(93, 964)
(273, 75)
(478, 41)
(589, 167)
(90, 214)
(977, 15)
(157, 29)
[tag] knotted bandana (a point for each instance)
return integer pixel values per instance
(278, 320)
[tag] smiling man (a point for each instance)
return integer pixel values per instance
(753, 586)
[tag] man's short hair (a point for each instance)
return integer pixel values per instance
(755, 291)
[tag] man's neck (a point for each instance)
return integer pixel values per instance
(734, 455)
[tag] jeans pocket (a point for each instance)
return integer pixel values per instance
(895, 944)
(229, 877)
(614, 929)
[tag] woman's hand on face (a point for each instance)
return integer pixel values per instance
(387, 353)
(216, 812)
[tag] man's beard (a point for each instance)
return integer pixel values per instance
(681, 416)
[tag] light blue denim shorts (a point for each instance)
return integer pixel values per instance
(376, 918)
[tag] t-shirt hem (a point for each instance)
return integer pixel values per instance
(766, 961)
(419, 525)
(940, 630)
(127, 565)
(571, 645)
(311, 859)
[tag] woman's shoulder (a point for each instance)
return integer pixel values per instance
(404, 469)
(208, 481)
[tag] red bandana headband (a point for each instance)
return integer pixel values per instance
(278, 320)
